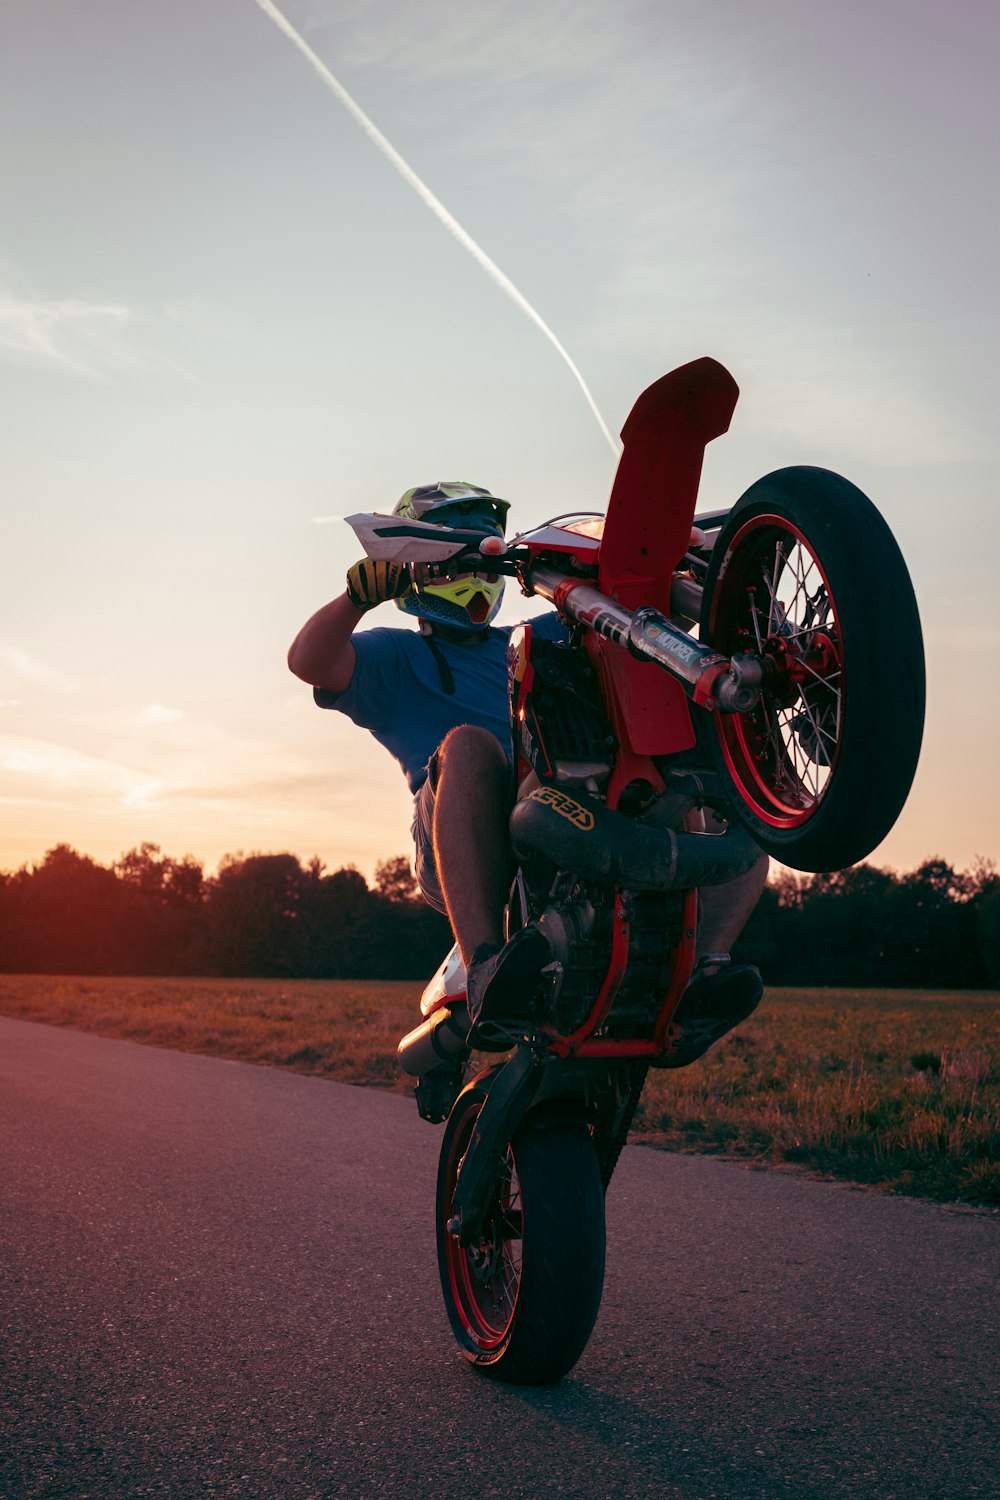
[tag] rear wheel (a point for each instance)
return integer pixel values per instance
(806, 575)
(523, 1298)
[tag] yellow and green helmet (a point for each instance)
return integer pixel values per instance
(470, 601)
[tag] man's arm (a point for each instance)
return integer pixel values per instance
(322, 653)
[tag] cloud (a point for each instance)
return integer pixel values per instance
(447, 37)
(324, 520)
(50, 331)
(21, 663)
(46, 762)
(158, 713)
(143, 796)
(94, 340)
(26, 669)
(68, 333)
(311, 788)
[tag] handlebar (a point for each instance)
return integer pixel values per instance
(729, 684)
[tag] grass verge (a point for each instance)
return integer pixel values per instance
(897, 1089)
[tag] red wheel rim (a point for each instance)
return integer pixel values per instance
(774, 599)
(485, 1277)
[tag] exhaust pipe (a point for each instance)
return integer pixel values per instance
(580, 834)
(438, 1042)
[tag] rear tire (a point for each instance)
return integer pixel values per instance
(807, 574)
(522, 1301)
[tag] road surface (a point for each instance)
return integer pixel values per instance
(219, 1280)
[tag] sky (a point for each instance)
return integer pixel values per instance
(226, 322)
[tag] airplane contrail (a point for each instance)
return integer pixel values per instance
(436, 206)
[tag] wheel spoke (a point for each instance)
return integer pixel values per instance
(827, 682)
(800, 581)
(755, 617)
(791, 747)
(779, 560)
(784, 751)
(511, 1276)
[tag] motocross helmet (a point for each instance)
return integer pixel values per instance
(470, 601)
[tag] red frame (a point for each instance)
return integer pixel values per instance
(646, 533)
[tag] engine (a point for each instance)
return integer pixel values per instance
(577, 917)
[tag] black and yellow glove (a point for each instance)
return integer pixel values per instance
(370, 583)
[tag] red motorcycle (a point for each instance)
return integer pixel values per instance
(794, 715)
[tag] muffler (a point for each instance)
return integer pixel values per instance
(438, 1042)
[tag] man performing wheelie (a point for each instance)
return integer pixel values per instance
(437, 701)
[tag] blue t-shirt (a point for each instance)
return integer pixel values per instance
(397, 693)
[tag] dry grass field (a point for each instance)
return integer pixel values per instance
(898, 1089)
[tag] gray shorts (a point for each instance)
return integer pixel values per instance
(422, 829)
(423, 839)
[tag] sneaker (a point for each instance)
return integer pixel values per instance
(502, 985)
(711, 1005)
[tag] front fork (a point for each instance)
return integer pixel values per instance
(730, 684)
(587, 1093)
(510, 1096)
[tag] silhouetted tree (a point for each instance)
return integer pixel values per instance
(253, 915)
(344, 943)
(166, 929)
(988, 935)
(64, 916)
(933, 929)
(395, 880)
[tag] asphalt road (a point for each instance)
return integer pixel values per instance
(219, 1280)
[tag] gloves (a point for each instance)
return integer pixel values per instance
(370, 583)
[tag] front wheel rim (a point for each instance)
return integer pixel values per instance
(485, 1277)
(773, 599)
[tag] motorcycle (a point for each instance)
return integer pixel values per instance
(763, 665)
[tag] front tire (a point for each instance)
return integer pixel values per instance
(806, 575)
(522, 1300)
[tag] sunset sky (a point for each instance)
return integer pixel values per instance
(226, 321)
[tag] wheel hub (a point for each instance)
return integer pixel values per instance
(484, 1257)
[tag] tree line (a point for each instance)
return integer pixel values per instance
(260, 916)
(270, 915)
(933, 928)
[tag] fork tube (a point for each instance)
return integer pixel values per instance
(582, 602)
(685, 597)
(646, 633)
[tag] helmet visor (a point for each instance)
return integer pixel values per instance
(467, 506)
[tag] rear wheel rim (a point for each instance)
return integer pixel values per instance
(485, 1277)
(774, 599)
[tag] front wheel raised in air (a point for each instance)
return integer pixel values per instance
(523, 1298)
(807, 575)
